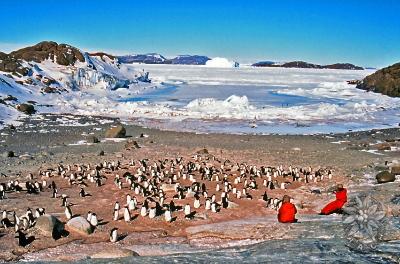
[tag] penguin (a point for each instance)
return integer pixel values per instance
(168, 215)
(131, 205)
(152, 212)
(68, 212)
(214, 207)
(116, 206)
(114, 235)
(54, 193)
(82, 193)
(265, 196)
(116, 214)
(208, 204)
(128, 198)
(93, 220)
(187, 211)
(64, 200)
(23, 241)
(143, 210)
(89, 216)
(127, 215)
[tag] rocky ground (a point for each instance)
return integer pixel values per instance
(44, 141)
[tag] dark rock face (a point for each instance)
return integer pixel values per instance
(116, 132)
(385, 81)
(343, 66)
(63, 54)
(11, 64)
(151, 58)
(26, 108)
(385, 176)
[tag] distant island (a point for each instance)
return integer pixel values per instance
(303, 64)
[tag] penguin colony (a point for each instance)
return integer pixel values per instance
(162, 190)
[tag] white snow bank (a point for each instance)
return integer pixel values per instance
(218, 62)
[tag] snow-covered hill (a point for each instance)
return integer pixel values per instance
(48, 74)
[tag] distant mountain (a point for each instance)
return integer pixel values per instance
(343, 66)
(190, 60)
(155, 58)
(150, 58)
(303, 64)
(385, 81)
(300, 64)
(264, 64)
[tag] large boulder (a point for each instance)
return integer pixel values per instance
(79, 225)
(111, 253)
(26, 108)
(49, 226)
(385, 176)
(116, 132)
(385, 81)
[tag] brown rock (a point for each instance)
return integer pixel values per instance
(80, 225)
(116, 132)
(383, 146)
(385, 176)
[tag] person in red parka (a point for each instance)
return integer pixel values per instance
(287, 212)
(336, 206)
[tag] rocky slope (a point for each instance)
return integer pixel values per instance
(385, 81)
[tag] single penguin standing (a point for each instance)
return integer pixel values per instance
(68, 212)
(127, 214)
(114, 235)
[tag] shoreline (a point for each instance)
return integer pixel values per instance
(348, 162)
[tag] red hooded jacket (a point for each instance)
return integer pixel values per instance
(287, 213)
(332, 207)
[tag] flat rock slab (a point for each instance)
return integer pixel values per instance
(114, 253)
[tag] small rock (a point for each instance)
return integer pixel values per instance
(385, 176)
(92, 139)
(101, 153)
(116, 132)
(108, 253)
(49, 226)
(80, 225)
(26, 108)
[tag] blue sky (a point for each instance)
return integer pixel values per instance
(362, 32)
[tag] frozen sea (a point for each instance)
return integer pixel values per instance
(259, 101)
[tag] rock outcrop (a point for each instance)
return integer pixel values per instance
(116, 132)
(62, 54)
(385, 81)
